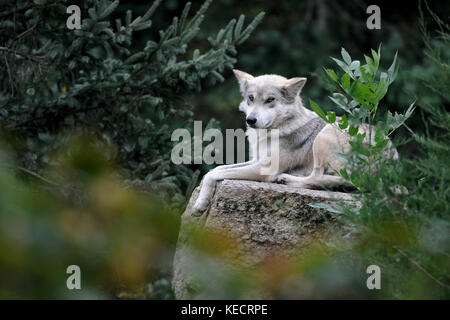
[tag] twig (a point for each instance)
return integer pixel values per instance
(418, 266)
(9, 76)
(34, 174)
(23, 34)
(36, 59)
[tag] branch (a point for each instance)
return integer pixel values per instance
(24, 34)
(9, 76)
(418, 266)
(36, 59)
(34, 174)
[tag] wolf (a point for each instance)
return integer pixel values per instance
(280, 129)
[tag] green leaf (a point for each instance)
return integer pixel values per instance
(344, 122)
(352, 131)
(345, 81)
(343, 173)
(355, 179)
(381, 89)
(331, 117)
(393, 70)
(371, 64)
(361, 92)
(346, 56)
(379, 135)
(381, 144)
(376, 58)
(354, 65)
(421, 181)
(410, 110)
(330, 72)
(342, 65)
(317, 110)
(365, 74)
(341, 101)
(394, 121)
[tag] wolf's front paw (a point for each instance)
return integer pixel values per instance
(291, 180)
(281, 179)
(199, 206)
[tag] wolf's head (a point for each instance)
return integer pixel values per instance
(269, 100)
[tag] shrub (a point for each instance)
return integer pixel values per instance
(402, 222)
(360, 88)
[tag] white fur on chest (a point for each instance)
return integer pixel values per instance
(262, 143)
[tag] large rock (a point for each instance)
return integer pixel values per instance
(260, 218)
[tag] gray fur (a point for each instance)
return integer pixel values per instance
(307, 145)
(305, 137)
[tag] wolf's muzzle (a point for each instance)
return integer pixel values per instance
(251, 120)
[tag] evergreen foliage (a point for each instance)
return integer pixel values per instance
(55, 80)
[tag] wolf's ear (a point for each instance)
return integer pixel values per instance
(242, 78)
(292, 87)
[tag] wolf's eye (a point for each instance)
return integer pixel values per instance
(269, 100)
(251, 98)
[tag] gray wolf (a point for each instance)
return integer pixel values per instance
(306, 145)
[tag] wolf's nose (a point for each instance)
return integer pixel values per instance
(251, 120)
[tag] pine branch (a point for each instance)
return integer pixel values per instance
(152, 10)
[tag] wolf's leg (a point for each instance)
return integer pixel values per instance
(323, 181)
(323, 155)
(317, 178)
(207, 186)
(234, 165)
(249, 172)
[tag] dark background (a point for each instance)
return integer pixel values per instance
(297, 38)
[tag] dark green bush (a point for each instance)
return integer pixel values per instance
(55, 80)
